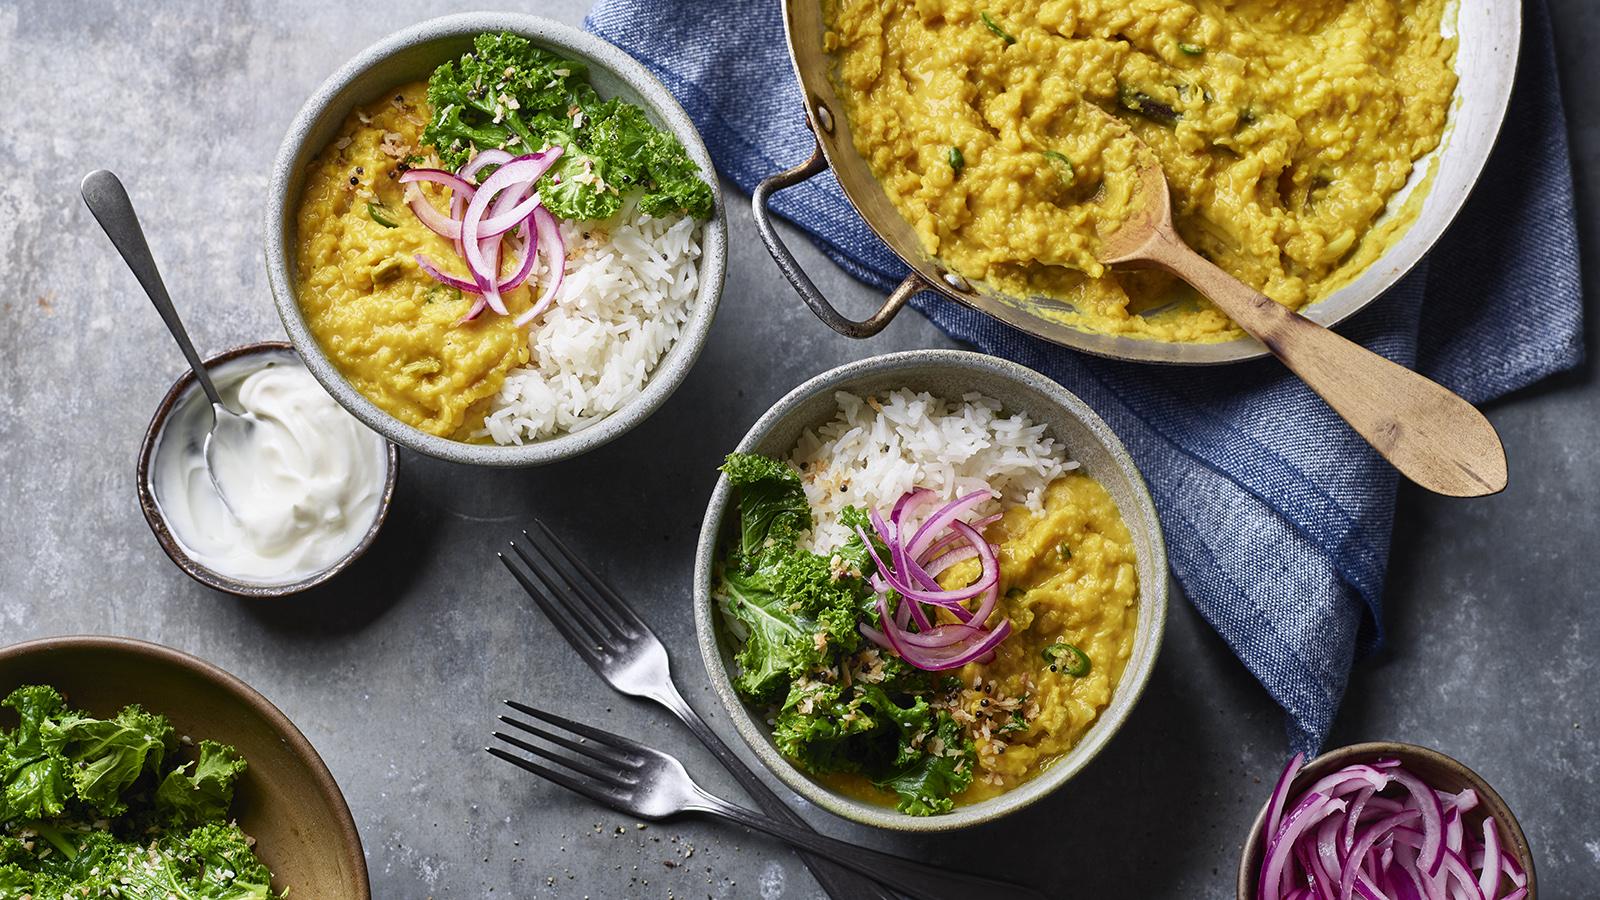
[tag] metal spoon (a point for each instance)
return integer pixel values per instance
(108, 201)
(1430, 434)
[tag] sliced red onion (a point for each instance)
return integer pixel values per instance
(454, 182)
(1489, 875)
(1280, 792)
(1275, 864)
(481, 252)
(554, 248)
(1358, 806)
(980, 524)
(437, 222)
(941, 520)
(427, 265)
(1347, 881)
(483, 159)
(1427, 803)
(912, 632)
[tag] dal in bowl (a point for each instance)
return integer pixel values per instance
(1059, 639)
(508, 304)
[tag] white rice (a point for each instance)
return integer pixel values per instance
(878, 448)
(625, 299)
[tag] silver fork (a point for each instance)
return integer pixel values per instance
(623, 651)
(643, 782)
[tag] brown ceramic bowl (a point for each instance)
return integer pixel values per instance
(1431, 766)
(158, 523)
(287, 799)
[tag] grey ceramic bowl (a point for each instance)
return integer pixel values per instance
(211, 578)
(945, 373)
(411, 55)
(1433, 767)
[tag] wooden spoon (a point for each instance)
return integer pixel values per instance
(1434, 437)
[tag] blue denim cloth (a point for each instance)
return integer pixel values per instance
(1277, 515)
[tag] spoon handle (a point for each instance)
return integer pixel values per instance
(1428, 433)
(108, 201)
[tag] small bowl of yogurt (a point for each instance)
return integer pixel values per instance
(307, 487)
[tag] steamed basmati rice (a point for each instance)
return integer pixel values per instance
(878, 448)
(626, 297)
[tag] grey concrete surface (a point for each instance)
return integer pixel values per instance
(394, 671)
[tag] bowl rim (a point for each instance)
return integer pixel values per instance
(349, 836)
(1440, 203)
(1135, 677)
(1505, 818)
(169, 542)
(327, 99)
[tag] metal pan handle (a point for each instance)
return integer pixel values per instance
(911, 286)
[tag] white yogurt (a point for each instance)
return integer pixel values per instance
(303, 485)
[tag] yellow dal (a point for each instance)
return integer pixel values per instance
(1090, 601)
(1299, 122)
(391, 329)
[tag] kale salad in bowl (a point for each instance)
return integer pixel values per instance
(118, 807)
(131, 770)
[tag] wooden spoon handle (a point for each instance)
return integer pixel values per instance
(1434, 437)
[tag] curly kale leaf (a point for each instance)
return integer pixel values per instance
(638, 153)
(854, 552)
(926, 781)
(772, 506)
(219, 862)
(470, 98)
(797, 610)
(34, 776)
(211, 862)
(892, 737)
(108, 755)
(512, 95)
(201, 791)
(777, 640)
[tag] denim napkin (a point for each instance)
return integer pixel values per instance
(1277, 515)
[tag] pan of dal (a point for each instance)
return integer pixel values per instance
(1315, 150)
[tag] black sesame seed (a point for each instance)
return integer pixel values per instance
(360, 170)
(354, 180)
(1052, 668)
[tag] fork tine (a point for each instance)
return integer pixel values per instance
(606, 776)
(609, 596)
(583, 643)
(615, 741)
(581, 593)
(576, 608)
(592, 750)
(595, 792)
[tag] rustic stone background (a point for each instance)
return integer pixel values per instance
(395, 670)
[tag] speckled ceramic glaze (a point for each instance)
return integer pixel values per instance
(411, 55)
(169, 542)
(1433, 767)
(948, 373)
(287, 799)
